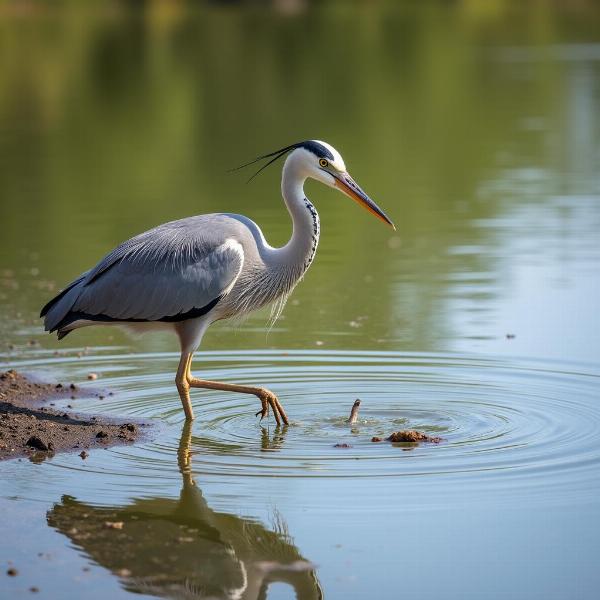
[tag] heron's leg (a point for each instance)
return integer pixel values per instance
(183, 386)
(266, 397)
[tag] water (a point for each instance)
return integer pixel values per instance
(478, 133)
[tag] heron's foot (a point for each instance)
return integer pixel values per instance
(269, 399)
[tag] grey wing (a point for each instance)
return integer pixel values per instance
(164, 274)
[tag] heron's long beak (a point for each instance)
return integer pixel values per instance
(346, 184)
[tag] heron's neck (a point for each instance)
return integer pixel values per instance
(301, 248)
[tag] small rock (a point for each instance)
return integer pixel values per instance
(83, 454)
(114, 524)
(376, 439)
(92, 376)
(34, 589)
(123, 572)
(12, 572)
(102, 434)
(342, 446)
(35, 442)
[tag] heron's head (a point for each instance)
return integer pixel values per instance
(321, 161)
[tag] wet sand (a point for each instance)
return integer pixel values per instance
(30, 426)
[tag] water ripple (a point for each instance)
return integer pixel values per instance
(505, 423)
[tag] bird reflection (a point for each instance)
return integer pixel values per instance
(182, 548)
(272, 443)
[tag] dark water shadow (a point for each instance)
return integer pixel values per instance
(182, 548)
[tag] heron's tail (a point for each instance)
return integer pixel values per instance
(57, 309)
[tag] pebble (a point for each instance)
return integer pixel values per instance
(35, 442)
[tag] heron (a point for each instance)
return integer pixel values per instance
(184, 275)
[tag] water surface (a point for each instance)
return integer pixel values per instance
(478, 132)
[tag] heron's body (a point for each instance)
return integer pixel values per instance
(186, 274)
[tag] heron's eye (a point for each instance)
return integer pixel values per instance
(323, 163)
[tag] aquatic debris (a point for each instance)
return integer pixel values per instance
(92, 376)
(354, 412)
(412, 436)
(342, 446)
(12, 572)
(376, 439)
(83, 454)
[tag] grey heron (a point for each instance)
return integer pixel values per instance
(185, 275)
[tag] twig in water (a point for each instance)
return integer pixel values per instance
(354, 412)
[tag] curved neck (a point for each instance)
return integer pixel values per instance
(306, 226)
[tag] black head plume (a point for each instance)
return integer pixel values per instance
(318, 149)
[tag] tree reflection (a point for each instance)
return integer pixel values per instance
(182, 548)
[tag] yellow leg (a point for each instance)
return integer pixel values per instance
(184, 454)
(266, 397)
(183, 387)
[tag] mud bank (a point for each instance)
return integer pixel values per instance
(30, 426)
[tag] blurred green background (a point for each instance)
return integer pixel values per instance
(473, 124)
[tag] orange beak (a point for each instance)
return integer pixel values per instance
(346, 184)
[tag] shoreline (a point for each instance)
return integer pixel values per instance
(31, 427)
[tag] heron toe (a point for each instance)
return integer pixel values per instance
(267, 399)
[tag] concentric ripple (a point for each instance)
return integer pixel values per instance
(504, 423)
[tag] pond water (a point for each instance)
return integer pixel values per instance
(478, 131)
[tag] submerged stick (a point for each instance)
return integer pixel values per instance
(354, 412)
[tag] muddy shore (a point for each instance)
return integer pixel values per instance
(30, 426)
